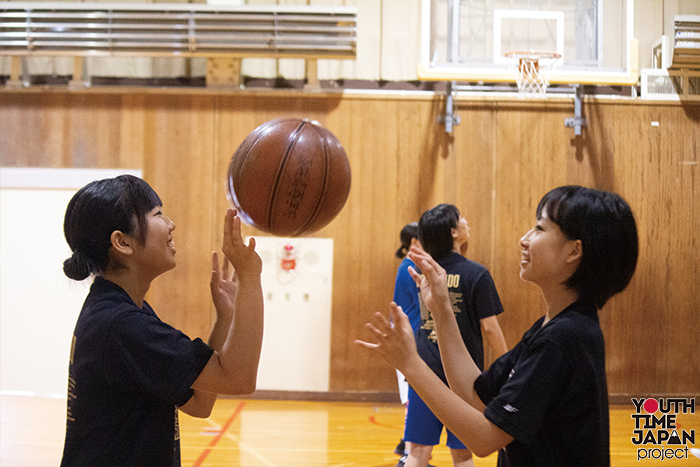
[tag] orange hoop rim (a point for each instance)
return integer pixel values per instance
(532, 68)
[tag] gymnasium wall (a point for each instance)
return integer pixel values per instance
(500, 160)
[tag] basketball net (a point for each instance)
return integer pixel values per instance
(532, 70)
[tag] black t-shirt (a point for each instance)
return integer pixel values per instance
(474, 297)
(550, 393)
(128, 373)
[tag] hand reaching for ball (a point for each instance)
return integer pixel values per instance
(245, 261)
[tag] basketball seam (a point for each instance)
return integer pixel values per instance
(322, 196)
(280, 170)
(239, 174)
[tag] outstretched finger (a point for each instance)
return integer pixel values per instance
(427, 267)
(415, 275)
(236, 236)
(215, 274)
(225, 273)
(416, 254)
(382, 323)
(228, 226)
(366, 345)
(431, 270)
(373, 329)
(396, 313)
(214, 263)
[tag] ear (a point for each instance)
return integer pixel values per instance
(575, 252)
(121, 242)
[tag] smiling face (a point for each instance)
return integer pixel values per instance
(548, 257)
(157, 253)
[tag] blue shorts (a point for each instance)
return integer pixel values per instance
(423, 427)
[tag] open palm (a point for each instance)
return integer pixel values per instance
(432, 281)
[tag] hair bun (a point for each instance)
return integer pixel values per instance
(401, 252)
(76, 267)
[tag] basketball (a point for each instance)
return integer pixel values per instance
(289, 177)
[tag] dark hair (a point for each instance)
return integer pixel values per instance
(97, 210)
(604, 223)
(408, 233)
(435, 229)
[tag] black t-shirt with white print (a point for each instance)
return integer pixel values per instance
(550, 393)
(128, 373)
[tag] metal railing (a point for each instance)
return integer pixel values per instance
(176, 29)
(180, 30)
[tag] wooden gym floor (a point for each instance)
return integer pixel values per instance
(263, 433)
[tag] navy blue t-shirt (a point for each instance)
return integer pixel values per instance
(473, 297)
(128, 373)
(550, 393)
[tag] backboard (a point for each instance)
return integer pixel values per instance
(466, 40)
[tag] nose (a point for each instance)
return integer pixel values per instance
(525, 239)
(171, 224)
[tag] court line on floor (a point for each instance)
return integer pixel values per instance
(373, 420)
(250, 450)
(222, 431)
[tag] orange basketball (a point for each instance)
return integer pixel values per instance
(289, 177)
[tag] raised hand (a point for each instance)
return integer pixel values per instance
(243, 257)
(393, 338)
(223, 286)
(433, 281)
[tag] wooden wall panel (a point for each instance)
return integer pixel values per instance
(363, 261)
(474, 176)
(495, 167)
(385, 141)
(633, 146)
(31, 117)
(652, 324)
(178, 163)
(55, 130)
(529, 159)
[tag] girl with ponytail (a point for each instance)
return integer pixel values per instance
(130, 372)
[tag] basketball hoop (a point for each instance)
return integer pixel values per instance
(532, 70)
